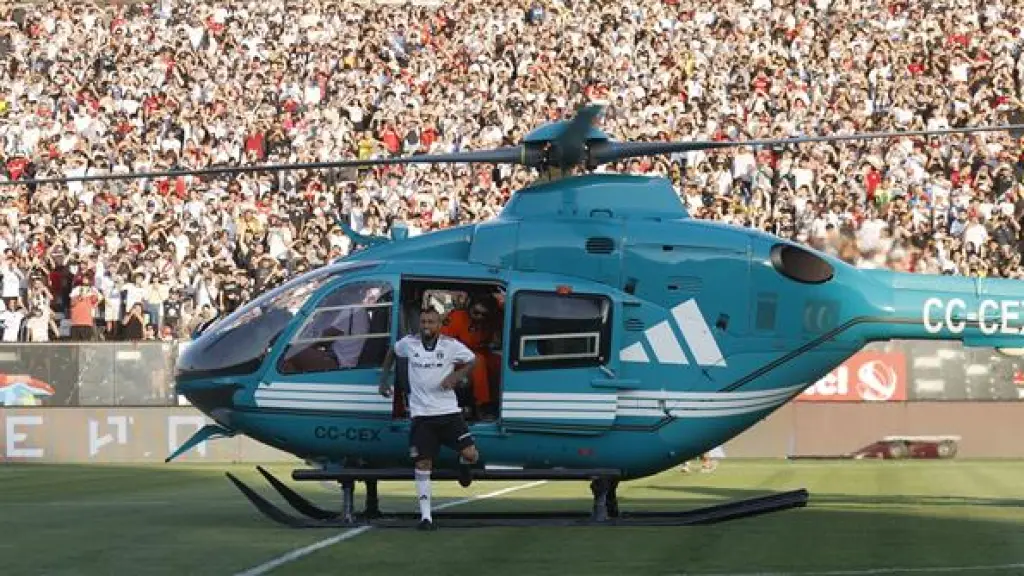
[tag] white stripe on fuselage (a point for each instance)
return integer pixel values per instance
(317, 387)
(548, 396)
(322, 406)
(371, 390)
(557, 415)
(711, 396)
(329, 397)
(572, 406)
(326, 396)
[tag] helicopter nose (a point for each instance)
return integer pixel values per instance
(215, 399)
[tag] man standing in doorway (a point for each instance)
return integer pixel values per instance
(437, 364)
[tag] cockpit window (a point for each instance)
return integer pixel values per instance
(238, 343)
(350, 328)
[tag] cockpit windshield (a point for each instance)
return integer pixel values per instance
(238, 343)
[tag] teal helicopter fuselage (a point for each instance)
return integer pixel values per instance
(705, 330)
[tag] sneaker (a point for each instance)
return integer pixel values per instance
(465, 475)
(426, 525)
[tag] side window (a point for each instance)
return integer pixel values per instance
(560, 330)
(350, 328)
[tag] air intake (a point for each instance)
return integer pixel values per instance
(600, 245)
(692, 284)
(634, 325)
(801, 265)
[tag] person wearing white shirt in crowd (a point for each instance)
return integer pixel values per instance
(12, 279)
(11, 319)
(38, 326)
(134, 290)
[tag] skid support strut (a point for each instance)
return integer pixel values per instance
(348, 500)
(348, 492)
(372, 507)
(606, 503)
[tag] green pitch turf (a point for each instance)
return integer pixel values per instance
(863, 516)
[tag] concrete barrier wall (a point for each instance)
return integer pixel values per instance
(135, 435)
(80, 435)
(987, 429)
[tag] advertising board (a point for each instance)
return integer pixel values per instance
(869, 376)
(106, 435)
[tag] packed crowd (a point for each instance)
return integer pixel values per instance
(95, 88)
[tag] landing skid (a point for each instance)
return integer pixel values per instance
(312, 512)
(605, 507)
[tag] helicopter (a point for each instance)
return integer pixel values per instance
(631, 337)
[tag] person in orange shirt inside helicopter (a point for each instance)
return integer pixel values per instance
(478, 327)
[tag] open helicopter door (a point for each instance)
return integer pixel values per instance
(331, 362)
(559, 343)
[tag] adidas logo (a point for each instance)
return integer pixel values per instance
(667, 350)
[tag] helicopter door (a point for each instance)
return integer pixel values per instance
(331, 362)
(559, 344)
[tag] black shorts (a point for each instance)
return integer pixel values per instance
(82, 333)
(429, 433)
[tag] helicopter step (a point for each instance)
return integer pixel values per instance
(605, 509)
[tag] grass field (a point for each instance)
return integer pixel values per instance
(863, 518)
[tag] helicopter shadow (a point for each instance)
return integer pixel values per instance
(709, 494)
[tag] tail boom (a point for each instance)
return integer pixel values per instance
(980, 312)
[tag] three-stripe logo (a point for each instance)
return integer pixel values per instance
(666, 347)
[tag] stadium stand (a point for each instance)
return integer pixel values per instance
(87, 88)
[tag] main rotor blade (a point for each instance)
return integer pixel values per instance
(614, 151)
(511, 155)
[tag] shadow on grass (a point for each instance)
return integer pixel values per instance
(710, 492)
(795, 541)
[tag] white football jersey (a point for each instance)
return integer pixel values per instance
(427, 368)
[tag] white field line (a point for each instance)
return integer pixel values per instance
(871, 571)
(349, 534)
